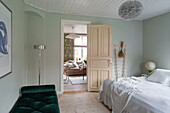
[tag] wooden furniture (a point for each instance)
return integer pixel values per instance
(73, 70)
(123, 55)
(80, 69)
(83, 69)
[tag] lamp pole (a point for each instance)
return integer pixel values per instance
(40, 48)
(39, 61)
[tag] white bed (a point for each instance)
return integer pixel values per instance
(148, 97)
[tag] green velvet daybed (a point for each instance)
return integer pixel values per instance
(37, 99)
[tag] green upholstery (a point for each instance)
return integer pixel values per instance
(37, 89)
(37, 99)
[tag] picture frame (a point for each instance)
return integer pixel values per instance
(5, 40)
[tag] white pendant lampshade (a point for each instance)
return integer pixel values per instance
(72, 35)
(150, 66)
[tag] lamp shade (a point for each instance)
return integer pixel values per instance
(72, 36)
(39, 47)
(150, 66)
(130, 9)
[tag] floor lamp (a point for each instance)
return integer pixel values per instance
(39, 48)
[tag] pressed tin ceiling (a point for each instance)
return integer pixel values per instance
(99, 8)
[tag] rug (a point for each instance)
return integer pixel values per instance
(78, 80)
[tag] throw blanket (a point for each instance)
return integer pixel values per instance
(122, 91)
(105, 92)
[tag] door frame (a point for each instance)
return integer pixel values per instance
(63, 21)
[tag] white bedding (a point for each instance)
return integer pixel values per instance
(150, 97)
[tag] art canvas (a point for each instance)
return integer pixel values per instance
(5, 40)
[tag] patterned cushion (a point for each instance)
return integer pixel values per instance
(37, 102)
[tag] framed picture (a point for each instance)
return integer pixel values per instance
(5, 40)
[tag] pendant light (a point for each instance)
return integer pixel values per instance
(72, 35)
(130, 9)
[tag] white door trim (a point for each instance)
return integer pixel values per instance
(63, 21)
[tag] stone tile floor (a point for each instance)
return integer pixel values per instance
(81, 103)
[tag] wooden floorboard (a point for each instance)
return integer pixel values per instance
(81, 103)
(69, 92)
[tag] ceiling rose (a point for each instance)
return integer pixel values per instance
(130, 9)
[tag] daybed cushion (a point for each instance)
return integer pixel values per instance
(37, 89)
(37, 99)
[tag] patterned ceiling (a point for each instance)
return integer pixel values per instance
(99, 8)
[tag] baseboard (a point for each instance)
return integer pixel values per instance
(59, 92)
(68, 92)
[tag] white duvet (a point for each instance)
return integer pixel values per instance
(139, 96)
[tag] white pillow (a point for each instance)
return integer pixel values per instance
(70, 65)
(75, 64)
(167, 81)
(160, 76)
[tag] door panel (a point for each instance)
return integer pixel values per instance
(105, 42)
(94, 79)
(104, 75)
(99, 55)
(100, 63)
(95, 44)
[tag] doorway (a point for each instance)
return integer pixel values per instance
(73, 55)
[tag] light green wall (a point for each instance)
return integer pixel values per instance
(129, 31)
(35, 36)
(157, 40)
(10, 84)
(47, 30)
(148, 40)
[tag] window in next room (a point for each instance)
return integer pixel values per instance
(80, 48)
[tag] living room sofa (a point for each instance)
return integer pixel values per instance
(75, 68)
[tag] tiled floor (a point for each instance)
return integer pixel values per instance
(79, 87)
(81, 103)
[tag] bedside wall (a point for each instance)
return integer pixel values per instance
(157, 40)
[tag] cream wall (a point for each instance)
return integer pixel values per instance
(10, 84)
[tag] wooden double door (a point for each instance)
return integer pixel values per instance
(99, 55)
